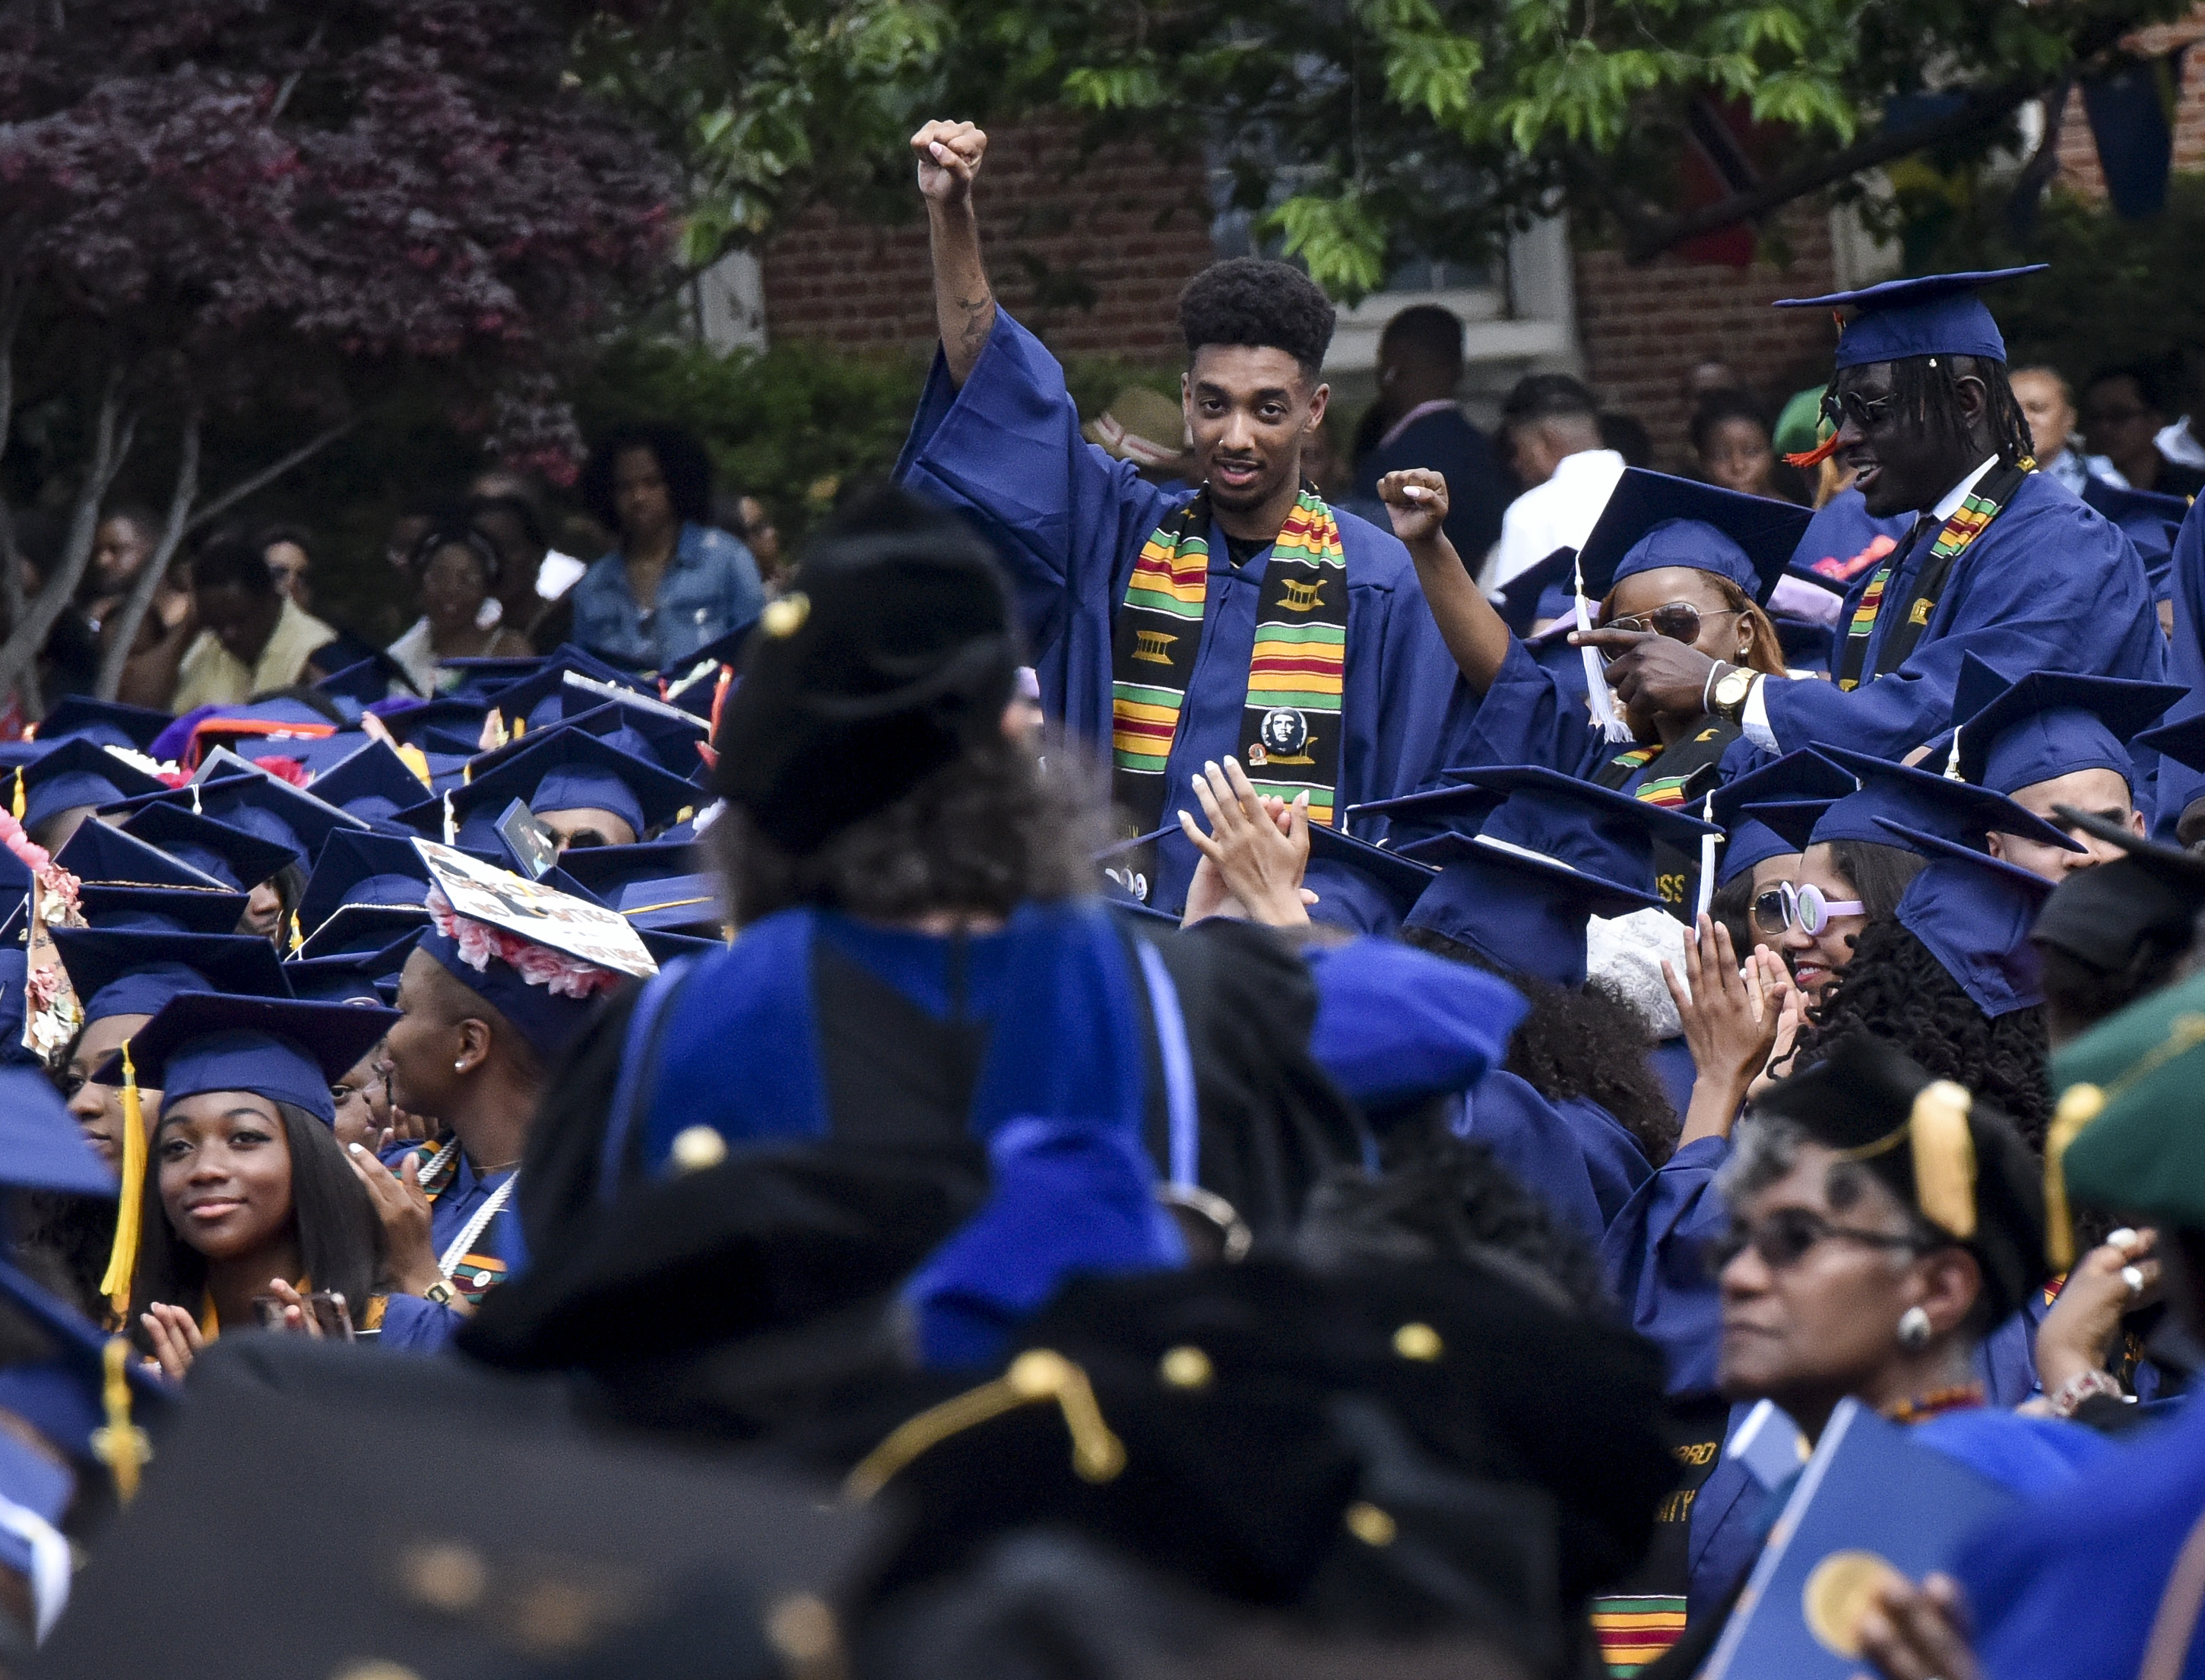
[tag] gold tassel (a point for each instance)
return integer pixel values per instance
(417, 761)
(2079, 1104)
(1097, 1455)
(129, 1207)
(121, 1446)
(16, 808)
(1944, 1158)
(297, 937)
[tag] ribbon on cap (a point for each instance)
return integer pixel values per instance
(130, 1202)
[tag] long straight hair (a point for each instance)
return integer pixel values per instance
(340, 1238)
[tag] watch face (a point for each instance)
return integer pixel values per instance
(1731, 689)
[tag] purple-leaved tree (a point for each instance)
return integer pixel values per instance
(208, 208)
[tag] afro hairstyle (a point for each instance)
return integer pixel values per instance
(1269, 306)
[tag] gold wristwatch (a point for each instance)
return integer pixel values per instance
(1730, 689)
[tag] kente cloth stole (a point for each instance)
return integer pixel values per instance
(1290, 723)
(1989, 499)
(1688, 771)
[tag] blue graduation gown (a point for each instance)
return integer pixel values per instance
(1652, 1259)
(2177, 783)
(1841, 533)
(1534, 713)
(2067, 1587)
(1574, 1155)
(1069, 521)
(2050, 585)
(1479, 489)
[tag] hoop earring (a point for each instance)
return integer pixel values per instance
(1914, 1330)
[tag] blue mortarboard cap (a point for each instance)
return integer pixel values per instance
(436, 721)
(567, 770)
(2150, 520)
(1974, 913)
(1594, 829)
(78, 773)
(1068, 1197)
(237, 859)
(1921, 800)
(268, 808)
(103, 852)
(692, 682)
(60, 1396)
(367, 870)
(1459, 808)
(1395, 1025)
(1791, 820)
(602, 870)
(32, 1482)
(1805, 777)
(134, 971)
(1931, 315)
(1361, 886)
(161, 909)
(672, 904)
(357, 928)
(2181, 739)
(1519, 600)
(374, 678)
(40, 1147)
(474, 676)
(1653, 519)
(372, 783)
(352, 977)
(560, 687)
(2016, 732)
(104, 723)
(15, 1002)
(281, 1049)
(1522, 912)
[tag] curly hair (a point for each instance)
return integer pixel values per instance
(1267, 305)
(1451, 1203)
(987, 831)
(1586, 1043)
(1897, 990)
(682, 463)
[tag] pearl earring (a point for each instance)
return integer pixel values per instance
(1914, 1330)
(460, 1067)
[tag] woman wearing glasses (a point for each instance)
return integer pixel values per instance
(1689, 562)
(1843, 1276)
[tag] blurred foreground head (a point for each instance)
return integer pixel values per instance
(864, 758)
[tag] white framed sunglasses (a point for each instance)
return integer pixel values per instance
(1784, 905)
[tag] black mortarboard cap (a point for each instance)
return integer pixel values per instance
(1949, 1156)
(1654, 520)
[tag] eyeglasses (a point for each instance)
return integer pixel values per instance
(1867, 412)
(1786, 1236)
(1679, 621)
(1784, 906)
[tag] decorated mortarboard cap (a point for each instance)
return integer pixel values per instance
(1653, 519)
(1974, 913)
(1804, 779)
(238, 859)
(566, 770)
(353, 977)
(1953, 1158)
(2128, 1134)
(1395, 1025)
(75, 773)
(104, 723)
(1925, 803)
(372, 783)
(278, 1048)
(1930, 315)
(2014, 733)
(135, 971)
(1518, 601)
(1361, 886)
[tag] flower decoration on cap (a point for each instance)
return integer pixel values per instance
(477, 942)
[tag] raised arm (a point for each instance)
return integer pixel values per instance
(949, 155)
(1417, 501)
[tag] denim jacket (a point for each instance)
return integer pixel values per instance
(710, 587)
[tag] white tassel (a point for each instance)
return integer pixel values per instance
(1605, 716)
(1707, 861)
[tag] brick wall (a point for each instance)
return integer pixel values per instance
(1093, 258)
(2078, 151)
(1643, 329)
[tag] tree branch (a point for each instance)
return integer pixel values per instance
(1648, 238)
(122, 634)
(266, 476)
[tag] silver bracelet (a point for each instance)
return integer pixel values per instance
(1708, 688)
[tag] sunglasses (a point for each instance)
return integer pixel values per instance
(1867, 413)
(1784, 906)
(1786, 1237)
(1679, 621)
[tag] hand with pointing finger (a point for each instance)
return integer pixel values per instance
(1652, 676)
